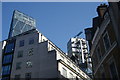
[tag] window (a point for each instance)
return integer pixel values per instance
(106, 41)
(5, 78)
(64, 72)
(118, 3)
(18, 65)
(31, 41)
(17, 77)
(9, 48)
(27, 76)
(113, 71)
(77, 78)
(98, 53)
(7, 59)
(103, 75)
(74, 67)
(21, 43)
(29, 64)
(6, 70)
(62, 57)
(68, 62)
(30, 52)
(71, 76)
(20, 54)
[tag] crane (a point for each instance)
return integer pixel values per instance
(78, 34)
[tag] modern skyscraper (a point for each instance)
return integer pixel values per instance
(77, 47)
(78, 52)
(21, 23)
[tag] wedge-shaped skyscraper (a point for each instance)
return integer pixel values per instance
(21, 23)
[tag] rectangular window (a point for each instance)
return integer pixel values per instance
(98, 52)
(106, 41)
(27, 76)
(64, 72)
(29, 64)
(17, 77)
(21, 43)
(9, 48)
(62, 57)
(18, 65)
(113, 71)
(103, 75)
(20, 54)
(31, 41)
(71, 76)
(6, 70)
(7, 59)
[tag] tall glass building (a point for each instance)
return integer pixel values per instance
(21, 23)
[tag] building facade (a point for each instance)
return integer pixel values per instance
(21, 23)
(78, 52)
(104, 45)
(31, 55)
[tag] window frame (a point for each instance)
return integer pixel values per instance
(99, 55)
(7, 59)
(17, 77)
(110, 61)
(64, 71)
(106, 33)
(6, 70)
(31, 41)
(19, 54)
(18, 66)
(28, 77)
(9, 47)
(21, 43)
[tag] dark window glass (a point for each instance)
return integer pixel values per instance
(113, 71)
(103, 76)
(18, 65)
(17, 77)
(5, 78)
(21, 43)
(27, 76)
(6, 70)
(20, 54)
(98, 52)
(9, 48)
(7, 59)
(31, 41)
(118, 4)
(106, 42)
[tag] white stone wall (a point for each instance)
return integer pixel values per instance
(44, 58)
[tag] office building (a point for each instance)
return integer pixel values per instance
(103, 38)
(20, 23)
(31, 55)
(77, 48)
(78, 52)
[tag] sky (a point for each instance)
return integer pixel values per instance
(58, 21)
